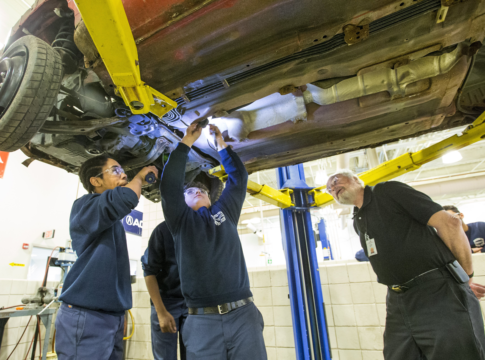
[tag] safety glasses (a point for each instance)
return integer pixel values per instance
(193, 191)
(114, 170)
(333, 182)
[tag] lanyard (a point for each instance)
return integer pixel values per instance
(370, 243)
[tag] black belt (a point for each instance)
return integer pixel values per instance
(220, 309)
(437, 273)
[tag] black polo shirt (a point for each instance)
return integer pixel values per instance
(396, 217)
(159, 260)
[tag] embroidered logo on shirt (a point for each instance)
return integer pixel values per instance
(479, 242)
(219, 218)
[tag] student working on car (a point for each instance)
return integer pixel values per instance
(223, 321)
(97, 290)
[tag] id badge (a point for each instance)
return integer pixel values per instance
(371, 246)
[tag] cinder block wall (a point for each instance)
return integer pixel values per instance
(354, 303)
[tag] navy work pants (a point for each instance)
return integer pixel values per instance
(237, 335)
(164, 345)
(436, 320)
(83, 334)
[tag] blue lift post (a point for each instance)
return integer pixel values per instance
(307, 307)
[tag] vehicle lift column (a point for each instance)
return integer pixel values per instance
(307, 307)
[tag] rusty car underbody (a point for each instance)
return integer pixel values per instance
(286, 81)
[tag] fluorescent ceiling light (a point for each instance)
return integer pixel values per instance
(451, 157)
(254, 220)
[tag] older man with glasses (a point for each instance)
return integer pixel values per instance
(97, 289)
(422, 255)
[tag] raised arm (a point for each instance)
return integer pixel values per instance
(173, 177)
(232, 198)
(100, 212)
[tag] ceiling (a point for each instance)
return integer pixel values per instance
(472, 166)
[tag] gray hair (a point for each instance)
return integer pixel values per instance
(348, 174)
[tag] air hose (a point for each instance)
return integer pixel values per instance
(133, 327)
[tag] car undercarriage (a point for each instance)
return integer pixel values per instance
(286, 82)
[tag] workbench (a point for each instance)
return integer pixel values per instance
(46, 318)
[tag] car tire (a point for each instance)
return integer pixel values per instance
(30, 104)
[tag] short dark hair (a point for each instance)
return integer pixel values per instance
(452, 208)
(90, 168)
(196, 184)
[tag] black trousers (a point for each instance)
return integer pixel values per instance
(436, 320)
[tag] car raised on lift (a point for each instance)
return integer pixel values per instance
(286, 81)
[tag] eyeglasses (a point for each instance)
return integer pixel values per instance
(333, 182)
(193, 191)
(114, 170)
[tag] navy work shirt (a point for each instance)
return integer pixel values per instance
(159, 260)
(207, 246)
(396, 216)
(476, 235)
(100, 277)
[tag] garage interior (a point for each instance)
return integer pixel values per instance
(305, 119)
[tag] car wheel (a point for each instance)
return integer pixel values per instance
(30, 78)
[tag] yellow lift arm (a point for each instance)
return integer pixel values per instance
(384, 172)
(280, 198)
(411, 161)
(108, 26)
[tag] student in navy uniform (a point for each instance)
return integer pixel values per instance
(97, 289)
(223, 321)
(169, 310)
(429, 314)
(475, 232)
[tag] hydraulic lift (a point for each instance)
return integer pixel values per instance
(108, 26)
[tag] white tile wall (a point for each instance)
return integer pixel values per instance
(261, 279)
(280, 295)
(350, 354)
(347, 337)
(337, 274)
(372, 355)
(363, 293)
(359, 272)
(354, 305)
(282, 316)
(366, 315)
(344, 315)
(340, 294)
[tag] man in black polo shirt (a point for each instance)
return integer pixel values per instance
(429, 314)
(169, 310)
